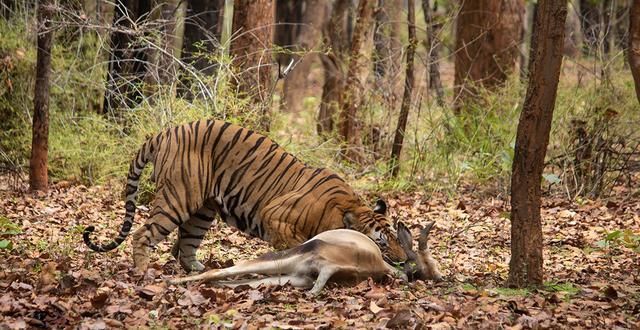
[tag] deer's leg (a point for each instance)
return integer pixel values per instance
(325, 274)
(263, 267)
(190, 235)
(395, 272)
(294, 280)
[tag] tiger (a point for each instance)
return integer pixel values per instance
(211, 167)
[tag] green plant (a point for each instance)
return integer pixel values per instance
(7, 229)
(626, 238)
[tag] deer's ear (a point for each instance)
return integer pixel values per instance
(349, 220)
(404, 237)
(381, 207)
(424, 234)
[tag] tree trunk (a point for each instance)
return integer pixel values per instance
(634, 44)
(307, 39)
(288, 18)
(408, 90)
(333, 62)
(388, 49)
(38, 177)
(202, 30)
(532, 138)
(127, 64)
(590, 22)
(488, 35)
(253, 22)
(433, 48)
(573, 43)
(201, 40)
(356, 77)
(162, 68)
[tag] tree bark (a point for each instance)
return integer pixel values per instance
(590, 22)
(433, 48)
(532, 138)
(253, 22)
(488, 35)
(202, 30)
(388, 49)
(308, 37)
(38, 177)
(634, 44)
(128, 60)
(201, 40)
(356, 77)
(398, 140)
(161, 67)
(333, 61)
(288, 18)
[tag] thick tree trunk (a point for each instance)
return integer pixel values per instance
(634, 44)
(488, 35)
(202, 30)
(308, 38)
(38, 177)
(359, 67)
(398, 140)
(388, 49)
(201, 40)
(128, 61)
(433, 48)
(162, 68)
(590, 22)
(288, 18)
(333, 61)
(253, 22)
(532, 138)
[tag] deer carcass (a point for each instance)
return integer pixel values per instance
(339, 255)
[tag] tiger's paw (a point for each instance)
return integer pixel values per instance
(192, 265)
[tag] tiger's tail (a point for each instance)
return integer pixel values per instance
(133, 178)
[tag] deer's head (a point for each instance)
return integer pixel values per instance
(420, 264)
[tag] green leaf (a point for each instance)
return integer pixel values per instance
(613, 235)
(602, 244)
(6, 244)
(551, 178)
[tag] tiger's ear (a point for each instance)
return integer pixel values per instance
(349, 220)
(381, 207)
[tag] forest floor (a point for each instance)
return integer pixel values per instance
(49, 279)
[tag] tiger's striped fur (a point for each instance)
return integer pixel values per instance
(213, 167)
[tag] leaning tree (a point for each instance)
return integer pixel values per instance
(532, 138)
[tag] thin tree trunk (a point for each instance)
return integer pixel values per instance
(398, 140)
(634, 44)
(253, 22)
(38, 177)
(359, 67)
(532, 138)
(433, 49)
(487, 39)
(333, 61)
(308, 37)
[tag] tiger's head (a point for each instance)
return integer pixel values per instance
(374, 223)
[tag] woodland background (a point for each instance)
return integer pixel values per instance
(418, 102)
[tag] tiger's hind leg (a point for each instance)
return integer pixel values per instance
(190, 235)
(166, 216)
